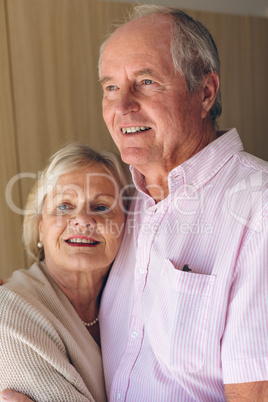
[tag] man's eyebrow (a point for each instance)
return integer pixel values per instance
(143, 71)
(105, 79)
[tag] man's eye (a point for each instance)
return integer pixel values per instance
(111, 88)
(148, 82)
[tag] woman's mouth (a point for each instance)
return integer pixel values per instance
(82, 242)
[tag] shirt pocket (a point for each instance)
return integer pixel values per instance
(178, 323)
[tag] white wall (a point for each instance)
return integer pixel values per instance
(242, 7)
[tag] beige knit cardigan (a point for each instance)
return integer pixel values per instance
(45, 350)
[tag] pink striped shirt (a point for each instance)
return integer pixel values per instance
(185, 307)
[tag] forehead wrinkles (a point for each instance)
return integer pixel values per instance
(148, 28)
(94, 185)
(67, 189)
(137, 49)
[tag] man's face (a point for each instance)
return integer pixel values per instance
(150, 114)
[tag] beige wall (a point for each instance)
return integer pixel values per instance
(50, 94)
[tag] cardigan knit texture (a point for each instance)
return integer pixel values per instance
(45, 350)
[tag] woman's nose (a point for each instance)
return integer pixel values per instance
(83, 219)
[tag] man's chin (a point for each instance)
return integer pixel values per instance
(134, 156)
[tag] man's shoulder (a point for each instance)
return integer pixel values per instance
(254, 170)
(252, 174)
(250, 161)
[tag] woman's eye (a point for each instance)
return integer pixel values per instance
(64, 207)
(102, 209)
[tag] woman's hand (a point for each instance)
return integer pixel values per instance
(1, 282)
(12, 396)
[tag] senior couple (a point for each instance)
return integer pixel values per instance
(183, 314)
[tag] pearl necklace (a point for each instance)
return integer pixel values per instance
(91, 323)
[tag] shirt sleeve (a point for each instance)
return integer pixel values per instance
(33, 358)
(245, 340)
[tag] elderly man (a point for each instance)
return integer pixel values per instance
(184, 312)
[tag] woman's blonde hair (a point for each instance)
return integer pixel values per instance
(66, 160)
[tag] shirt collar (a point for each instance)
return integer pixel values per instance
(138, 180)
(197, 170)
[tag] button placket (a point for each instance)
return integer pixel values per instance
(145, 237)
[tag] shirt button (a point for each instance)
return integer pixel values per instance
(142, 271)
(134, 334)
(118, 395)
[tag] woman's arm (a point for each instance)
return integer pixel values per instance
(12, 396)
(33, 358)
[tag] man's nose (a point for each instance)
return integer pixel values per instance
(127, 102)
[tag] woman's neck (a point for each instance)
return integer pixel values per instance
(84, 290)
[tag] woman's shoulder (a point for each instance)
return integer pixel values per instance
(26, 287)
(24, 280)
(24, 303)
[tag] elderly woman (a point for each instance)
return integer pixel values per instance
(73, 227)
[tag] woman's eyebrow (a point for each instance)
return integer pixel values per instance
(104, 195)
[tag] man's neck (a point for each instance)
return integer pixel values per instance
(156, 177)
(157, 187)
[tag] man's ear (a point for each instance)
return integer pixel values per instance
(210, 88)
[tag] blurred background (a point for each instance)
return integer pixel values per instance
(50, 92)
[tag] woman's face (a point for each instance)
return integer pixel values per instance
(82, 221)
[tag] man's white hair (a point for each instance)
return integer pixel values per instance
(192, 47)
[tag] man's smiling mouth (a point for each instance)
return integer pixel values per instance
(133, 130)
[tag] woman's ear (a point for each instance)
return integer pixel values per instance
(210, 88)
(40, 228)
